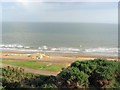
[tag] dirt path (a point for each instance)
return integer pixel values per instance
(32, 70)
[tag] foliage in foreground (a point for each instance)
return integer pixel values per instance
(97, 73)
(102, 73)
(17, 78)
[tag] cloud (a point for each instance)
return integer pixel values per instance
(60, 12)
(23, 2)
(63, 0)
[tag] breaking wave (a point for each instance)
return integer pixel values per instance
(98, 51)
(110, 50)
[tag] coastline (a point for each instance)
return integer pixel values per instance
(50, 57)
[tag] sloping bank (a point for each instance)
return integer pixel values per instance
(97, 73)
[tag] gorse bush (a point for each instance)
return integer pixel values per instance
(73, 77)
(17, 78)
(49, 86)
(97, 73)
(12, 77)
(101, 71)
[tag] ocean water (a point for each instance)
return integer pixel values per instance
(78, 38)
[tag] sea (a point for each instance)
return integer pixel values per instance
(99, 39)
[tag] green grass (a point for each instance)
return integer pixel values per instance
(36, 65)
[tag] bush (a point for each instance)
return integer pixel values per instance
(73, 77)
(17, 78)
(12, 77)
(101, 71)
(98, 73)
(49, 86)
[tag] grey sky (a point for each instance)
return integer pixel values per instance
(90, 12)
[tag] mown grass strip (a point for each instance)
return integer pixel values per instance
(36, 65)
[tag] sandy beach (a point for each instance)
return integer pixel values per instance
(49, 57)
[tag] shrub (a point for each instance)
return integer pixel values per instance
(101, 71)
(49, 86)
(17, 78)
(73, 77)
(12, 77)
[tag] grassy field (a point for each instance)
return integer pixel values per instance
(36, 65)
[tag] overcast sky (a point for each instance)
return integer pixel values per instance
(85, 12)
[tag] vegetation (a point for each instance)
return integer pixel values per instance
(97, 73)
(73, 77)
(17, 78)
(101, 72)
(36, 65)
(48, 86)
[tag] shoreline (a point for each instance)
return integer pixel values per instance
(52, 56)
(97, 51)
